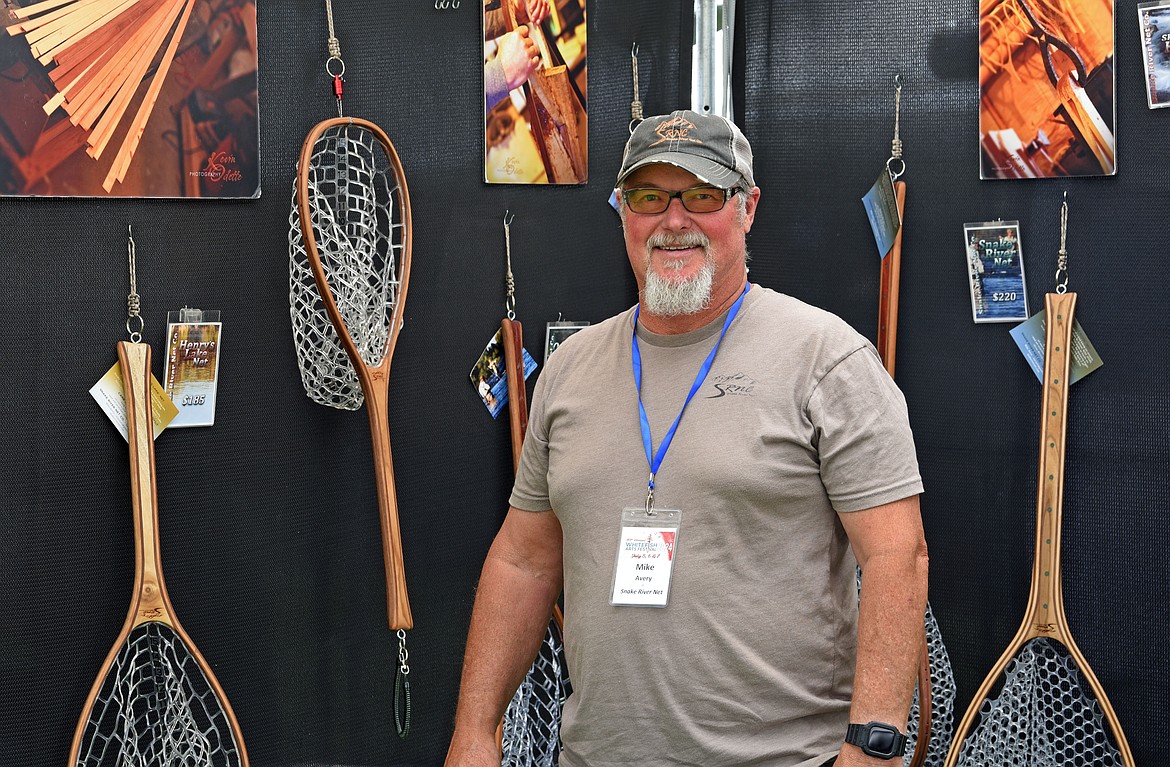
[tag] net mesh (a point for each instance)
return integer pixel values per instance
(1045, 715)
(356, 211)
(156, 709)
(532, 722)
(942, 700)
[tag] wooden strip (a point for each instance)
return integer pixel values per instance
(37, 28)
(82, 25)
(71, 89)
(124, 73)
(144, 44)
(93, 96)
(116, 61)
(189, 141)
(41, 7)
(130, 143)
(101, 41)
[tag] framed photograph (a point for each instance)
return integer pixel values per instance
(1154, 22)
(1046, 89)
(995, 271)
(105, 98)
(535, 83)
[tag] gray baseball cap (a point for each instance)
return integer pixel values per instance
(709, 146)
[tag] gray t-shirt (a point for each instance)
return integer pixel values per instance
(751, 662)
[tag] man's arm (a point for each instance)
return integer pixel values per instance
(520, 582)
(891, 550)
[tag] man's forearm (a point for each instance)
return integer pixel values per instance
(520, 582)
(890, 637)
(507, 626)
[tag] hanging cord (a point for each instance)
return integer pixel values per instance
(402, 688)
(636, 104)
(133, 300)
(896, 160)
(334, 62)
(1062, 254)
(509, 280)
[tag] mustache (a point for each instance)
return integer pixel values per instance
(683, 240)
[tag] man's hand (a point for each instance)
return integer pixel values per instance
(520, 57)
(538, 10)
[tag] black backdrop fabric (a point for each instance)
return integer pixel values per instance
(269, 525)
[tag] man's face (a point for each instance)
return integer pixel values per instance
(670, 251)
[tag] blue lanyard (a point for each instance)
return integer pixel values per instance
(655, 459)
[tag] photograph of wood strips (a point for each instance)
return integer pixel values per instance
(144, 98)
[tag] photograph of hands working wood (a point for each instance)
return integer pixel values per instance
(584, 383)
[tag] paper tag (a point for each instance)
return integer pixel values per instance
(191, 369)
(1031, 337)
(881, 205)
(489, 377)
(556, 332)
(645, 557)
(112, 399)
(995, 271)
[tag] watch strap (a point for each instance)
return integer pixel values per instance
(859, 735)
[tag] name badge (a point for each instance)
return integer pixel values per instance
(645, 557)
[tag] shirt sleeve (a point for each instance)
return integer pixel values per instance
(863, 434)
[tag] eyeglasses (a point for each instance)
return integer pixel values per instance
(697, 199)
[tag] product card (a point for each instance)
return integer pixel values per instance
(1154, 20)
(995, 271)
(881, 205)
(191, 369)
(490, 378)
(112, 399)
(557, 332)
(1031, 338)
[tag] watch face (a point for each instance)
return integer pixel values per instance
(881, 741)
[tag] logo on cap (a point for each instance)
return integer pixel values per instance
(675, 129)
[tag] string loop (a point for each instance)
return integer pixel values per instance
(896, 160)
(1062, 254)
(636, 104)
(334, 65)
(134, 321)
(509, 280)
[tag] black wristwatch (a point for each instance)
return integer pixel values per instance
(877, 739)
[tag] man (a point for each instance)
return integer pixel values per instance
(790, 462)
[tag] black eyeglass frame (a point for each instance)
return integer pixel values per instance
(727, 195)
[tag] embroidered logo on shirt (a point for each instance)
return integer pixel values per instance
(733, 385)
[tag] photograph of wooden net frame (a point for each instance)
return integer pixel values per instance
(1046, 88)
(538, 133)
(134, 98)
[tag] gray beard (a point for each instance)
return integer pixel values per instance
(672, 298)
